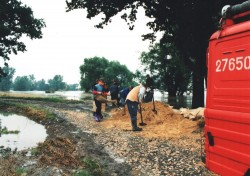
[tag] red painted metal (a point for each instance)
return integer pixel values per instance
(227, 113)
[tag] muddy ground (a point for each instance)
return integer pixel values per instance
(77, 145)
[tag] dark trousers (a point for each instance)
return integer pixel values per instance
(98, 107)
(114, 96)
(132, 109)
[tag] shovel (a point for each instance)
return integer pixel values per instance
(142, 123)
(154, 110)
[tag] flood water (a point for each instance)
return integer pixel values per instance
(30, 132)
(178, 102)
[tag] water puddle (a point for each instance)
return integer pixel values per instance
(30, 132)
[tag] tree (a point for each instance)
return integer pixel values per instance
(72, 87)
(33, 84)
(57, 83)
(22, 83)
(91, 70)
(6, 81)
(16, 20)
(189, 23)
(167, 68)
(96, 67)
(41, 85)
(116, 71)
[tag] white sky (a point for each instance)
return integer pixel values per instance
(70, 37)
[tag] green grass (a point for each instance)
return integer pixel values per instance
(4, 130)
(20, 171)
(87, 97)
(92, 168)
(28, 108)
(34, 151)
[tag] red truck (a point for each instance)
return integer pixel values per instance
(227, 113)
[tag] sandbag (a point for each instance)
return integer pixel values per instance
(103, 99)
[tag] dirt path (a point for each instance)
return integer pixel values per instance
(116, 149)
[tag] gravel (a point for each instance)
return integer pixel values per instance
(126, 153)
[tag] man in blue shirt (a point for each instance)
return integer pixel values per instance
(123, 94)
(98, 90)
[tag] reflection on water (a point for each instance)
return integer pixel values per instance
(177, 102)
(180, 101)
(31, 133)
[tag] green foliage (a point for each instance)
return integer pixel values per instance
(72, 87)
(20, 171)
(96, 67)
(88, 97)
(91, 70)
(34, 151)
(91, 168)
(32, 82)
(57, 83)
(28, 108)
(22, 83)
(6, 81)
(41, 85)
(29, 83)
(116, 71)
(4, 130)
(187, 24)
(16, 20)
(167, 68)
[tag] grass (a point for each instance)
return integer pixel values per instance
(92, 168)
(88, 97)
(4, 130)
(34, 152)
(28, 110)
(27, 96)
(20, 171)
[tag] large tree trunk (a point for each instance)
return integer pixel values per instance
(198, 90)
(199, 74)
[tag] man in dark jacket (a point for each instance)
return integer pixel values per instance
(114, 91)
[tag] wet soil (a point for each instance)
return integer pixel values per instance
(168, 145)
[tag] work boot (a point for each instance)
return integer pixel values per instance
(134, 126)
(97, 118)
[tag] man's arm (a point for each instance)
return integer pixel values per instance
(141, 94)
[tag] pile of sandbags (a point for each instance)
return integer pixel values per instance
(192, 114)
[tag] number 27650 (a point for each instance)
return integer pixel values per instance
(233, 64)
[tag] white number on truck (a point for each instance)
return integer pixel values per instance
(232, 64)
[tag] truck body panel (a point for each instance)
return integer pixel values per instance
(227, 113)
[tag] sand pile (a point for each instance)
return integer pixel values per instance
(163, 123)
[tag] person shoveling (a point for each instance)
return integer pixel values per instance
(134, 98)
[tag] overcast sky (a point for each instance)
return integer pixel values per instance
(69, 37)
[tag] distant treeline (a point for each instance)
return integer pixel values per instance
(29, 83)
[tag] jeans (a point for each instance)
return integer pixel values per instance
(98, 107)
(123, 101)
(132, 109)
